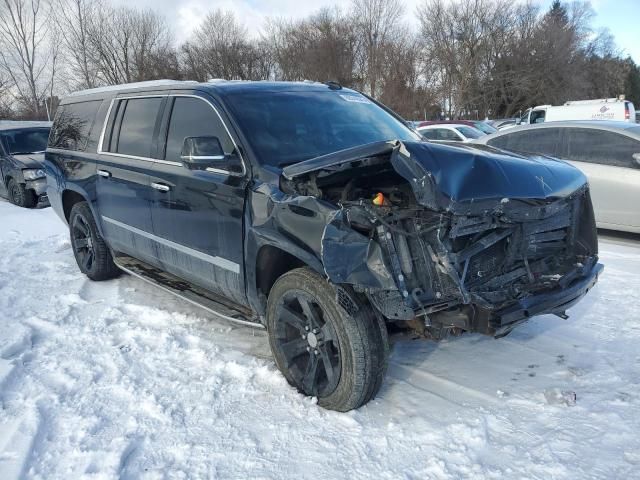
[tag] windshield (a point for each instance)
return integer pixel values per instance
(470, 132)
(485, 127)
(26, 140)
(289, 127)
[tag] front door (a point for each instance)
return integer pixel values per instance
(198, 212)
(123, 187)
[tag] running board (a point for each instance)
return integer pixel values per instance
(187, 291)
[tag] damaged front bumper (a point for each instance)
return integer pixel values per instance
(469, 240)
(39, 187)
(554, 302)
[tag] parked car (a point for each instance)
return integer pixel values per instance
(450, 133)
(481, 125)
(22, 146)
(607, 152)
(617, 109)
(311, 210)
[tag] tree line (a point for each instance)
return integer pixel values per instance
(459, 59)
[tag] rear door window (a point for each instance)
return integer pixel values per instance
(543, 141)
(72, 125)
(601, 146)
(429, 134)
(136, 129)
(446, 134)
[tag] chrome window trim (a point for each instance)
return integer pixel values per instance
(218, 261)
(168, 162)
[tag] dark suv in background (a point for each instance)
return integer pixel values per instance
(22, 146)
(313, 211)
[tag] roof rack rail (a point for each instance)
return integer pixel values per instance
(148, 83)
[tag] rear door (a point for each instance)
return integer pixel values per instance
(537, 141)
(198, 212)
(607, 160)
(124, 192)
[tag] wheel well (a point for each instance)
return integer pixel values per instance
(69, 199)
(271, 264)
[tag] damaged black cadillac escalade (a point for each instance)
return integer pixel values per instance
(314, 211)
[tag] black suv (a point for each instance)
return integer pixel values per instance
(313, 211)
(22, 178)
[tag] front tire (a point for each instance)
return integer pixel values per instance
(20, 196)
(320, 348)
(92, 254)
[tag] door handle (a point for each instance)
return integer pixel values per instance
(104, 173)
(161, 186)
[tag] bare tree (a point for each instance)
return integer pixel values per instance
(321, 47)
(377, 22)
(74, 19)
(131, 45)
(5, 102)
(24, 52)
(221, 48)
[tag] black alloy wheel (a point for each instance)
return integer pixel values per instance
(308, 344)
(82, 241)
(20, 196)
(92, 253)
(330, 348)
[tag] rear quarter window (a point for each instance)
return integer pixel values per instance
(602, 147)
(72, 125)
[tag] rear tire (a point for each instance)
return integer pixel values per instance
(20, 196)
(92, 254)
(320, 348)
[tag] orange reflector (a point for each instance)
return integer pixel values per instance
(379, 199)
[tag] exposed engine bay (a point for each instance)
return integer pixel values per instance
(426, 234)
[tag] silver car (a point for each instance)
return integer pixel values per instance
(607, 152)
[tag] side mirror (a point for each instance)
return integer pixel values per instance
(518, 121)
(636, 157)
(201, 151)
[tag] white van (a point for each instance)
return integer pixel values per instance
(601, 109)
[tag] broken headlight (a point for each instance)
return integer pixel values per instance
(33, 173)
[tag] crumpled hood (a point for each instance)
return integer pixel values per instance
(30, 160)
(476, 173)
(465, 179)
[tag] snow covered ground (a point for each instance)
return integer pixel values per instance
(120, 380)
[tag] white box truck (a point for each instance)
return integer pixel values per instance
(601, 109)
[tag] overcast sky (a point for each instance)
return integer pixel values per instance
(622, 17)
